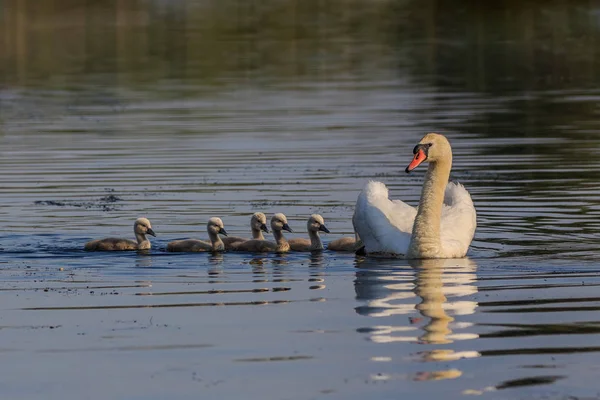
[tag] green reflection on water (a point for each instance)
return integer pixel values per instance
(478, 46)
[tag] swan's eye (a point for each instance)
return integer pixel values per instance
(424, 147)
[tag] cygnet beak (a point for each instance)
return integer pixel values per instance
(223, 232)
(150, 232)
(286, 227)
(264, 228)
(323, 228)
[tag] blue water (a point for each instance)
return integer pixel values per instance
(178, 119)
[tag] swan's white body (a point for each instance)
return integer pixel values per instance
(385, 225)
(446, 222)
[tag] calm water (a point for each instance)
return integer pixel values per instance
(184, 110)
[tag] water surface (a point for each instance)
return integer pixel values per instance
(184, 110)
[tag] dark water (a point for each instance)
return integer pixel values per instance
(184, 110)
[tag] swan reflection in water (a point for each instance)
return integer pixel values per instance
(143, 260)
(432, 294)
(215, 265)
(316, 271)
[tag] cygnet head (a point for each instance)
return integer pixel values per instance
(433, 147)
(316, 223)
(279, 222)
(142, 226)
(215, 225)
(259, 222)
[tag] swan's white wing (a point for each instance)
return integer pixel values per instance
(458, 221)
(384, 226)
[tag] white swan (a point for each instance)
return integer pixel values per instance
(444, 223)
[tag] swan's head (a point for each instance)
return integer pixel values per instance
(431, 148)
(279, 223)
(259, 222)
(142, 226)
(316, 223)
(215, 226)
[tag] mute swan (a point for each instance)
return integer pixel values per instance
(444, 223)
(141, 227)
(214, 227)
(315, 224)
(345, 244)
(258, 225)
(278, 223)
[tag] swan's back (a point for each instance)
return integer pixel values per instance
(229, 241)
(347, 244)
(458, 222)
(189, 245)
(384, 226)
(256, 246)
(299, 244)
(111, 244)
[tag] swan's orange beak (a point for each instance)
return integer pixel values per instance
(419, 157)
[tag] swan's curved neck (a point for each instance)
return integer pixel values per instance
(278, 235)
(429, 286)
(257, 234)
(425, 241)
(142, 240)
(215, 240)
(315, 240)
(282, 244)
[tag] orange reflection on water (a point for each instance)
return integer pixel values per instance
(433, 294)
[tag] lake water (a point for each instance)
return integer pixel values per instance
(184, 110)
